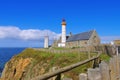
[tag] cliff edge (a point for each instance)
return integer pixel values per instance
(34, 62)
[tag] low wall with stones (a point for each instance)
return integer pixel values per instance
(106, 71)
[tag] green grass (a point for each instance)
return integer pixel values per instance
(60, 48)
(105, 57)
(58, 59)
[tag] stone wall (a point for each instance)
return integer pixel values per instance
(81, 43)
(94, 39)
(105, 71)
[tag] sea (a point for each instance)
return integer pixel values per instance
(6, 54)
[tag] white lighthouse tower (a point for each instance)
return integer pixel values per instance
(46, 42)
(63, 36)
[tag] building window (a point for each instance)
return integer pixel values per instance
(94, 36)
(78, 43)
(85, 42)
(94, 39)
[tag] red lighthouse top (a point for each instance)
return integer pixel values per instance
(63, 22)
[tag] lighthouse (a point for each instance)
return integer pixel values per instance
(46, 42)
(63, 36)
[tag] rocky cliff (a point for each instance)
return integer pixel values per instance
(32, 63)
(15, 69)
(24, 66)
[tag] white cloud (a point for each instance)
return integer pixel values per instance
(29, 34)
(107, 39)
(9, 32)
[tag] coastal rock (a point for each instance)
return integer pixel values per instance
(25, 66)
(15, 69)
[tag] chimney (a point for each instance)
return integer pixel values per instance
(70, 34)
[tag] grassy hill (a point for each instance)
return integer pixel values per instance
(60, 59)
(41, 61)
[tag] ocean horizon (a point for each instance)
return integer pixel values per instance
(6, 53)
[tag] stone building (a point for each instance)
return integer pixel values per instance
(117, 42)
(117, 45)
(89, 38)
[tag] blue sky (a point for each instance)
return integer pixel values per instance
(30, 20)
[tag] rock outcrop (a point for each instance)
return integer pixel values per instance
(25, 66)
(15, 69)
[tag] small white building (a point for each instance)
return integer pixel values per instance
(46, 42)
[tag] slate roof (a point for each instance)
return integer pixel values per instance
(80, 36)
